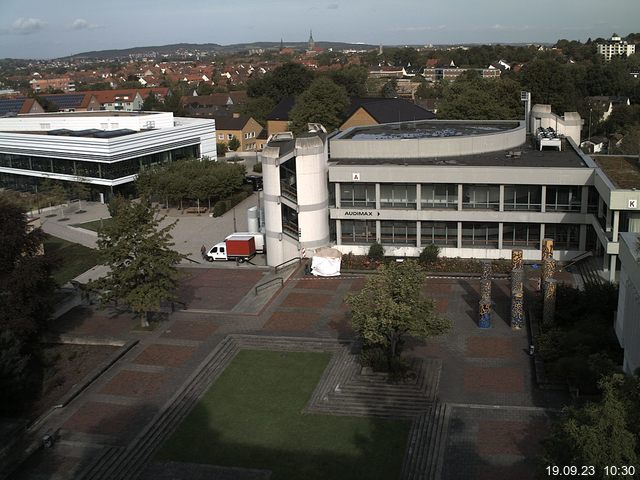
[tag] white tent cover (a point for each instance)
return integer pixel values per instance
(326, 262)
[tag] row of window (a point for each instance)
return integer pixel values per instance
(86, 169)
(445, 234)
(483, 197)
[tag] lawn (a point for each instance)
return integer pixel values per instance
(253, 417)
(71, 259)
(94, 225)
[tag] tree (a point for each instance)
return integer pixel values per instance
(324, 102)
(151, 103)
(353, 79)
(391, 306)
(26, 286)
(258, 108)
(287, 80)
(596, 434)
(142, 265)
(234, 144)
(14, 371)
(221, 148)
(81, 191)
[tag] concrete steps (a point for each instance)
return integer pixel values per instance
(423, 456)
(128, 463)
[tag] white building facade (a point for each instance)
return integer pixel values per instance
(627, 323)
(615, 47)
(103, 149)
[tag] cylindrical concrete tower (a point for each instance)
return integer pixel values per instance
(272, 210)
(313, 194)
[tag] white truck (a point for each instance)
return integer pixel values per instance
(241, 248)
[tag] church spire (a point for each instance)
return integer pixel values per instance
(312, 43)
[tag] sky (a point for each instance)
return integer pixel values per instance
(46, 29)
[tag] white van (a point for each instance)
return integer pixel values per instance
(259, 238)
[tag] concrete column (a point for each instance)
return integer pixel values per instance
(616, 225)
(459, 234)
(501, 206)
(378, 200)
(500, 232)
(608, 220)
(543, 199)
(378, 232)
(459, 197)
(541, 235)
(337, 193)
(582, 240)
(338, 232)
(584, 201)
(418, 234)
(612, 268)
(418, 197)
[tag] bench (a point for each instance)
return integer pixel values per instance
(196, 210)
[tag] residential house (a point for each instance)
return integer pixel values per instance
(615, 47)
(214, 105)
(73, 102)
(242, 127)
(375, 111)
(48, 84)
(604, 106)
(19, 106)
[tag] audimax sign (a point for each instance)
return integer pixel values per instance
(361, 213)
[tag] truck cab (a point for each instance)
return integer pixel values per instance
(217, 252)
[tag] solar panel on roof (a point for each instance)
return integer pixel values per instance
(11, 106)
(65, 101)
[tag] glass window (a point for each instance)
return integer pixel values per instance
(522, 235)
(483, 197)
(358, 231)
(63, 166)
(565, 236)
(290, 221)
(439, 196)
(523, 197)
(398, 233)
(358, 195)
(41, 164)
(480, 235)
(87, 169)
(563, 199)
(443, 234)
(397, 195)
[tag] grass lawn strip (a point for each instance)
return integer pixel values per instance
(253, 417)
(72, 259)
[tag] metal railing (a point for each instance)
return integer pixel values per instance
(286, 264)
(575, 260)
(268, 284)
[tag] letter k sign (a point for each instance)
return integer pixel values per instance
(633, 203)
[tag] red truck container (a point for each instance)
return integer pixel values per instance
(240, 246)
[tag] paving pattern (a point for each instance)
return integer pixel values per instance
(475, 410)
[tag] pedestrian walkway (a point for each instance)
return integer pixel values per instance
(473, 404)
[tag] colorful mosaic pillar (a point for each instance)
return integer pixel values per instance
(547, 248)
(485, 282)
(548, 271)
(517, 299)
(549, 302)
(485, 314)
(516, 260)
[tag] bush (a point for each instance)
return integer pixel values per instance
(257, 167)
(223, 206)
(429, 254)
(377, 358)
(219, 208)
(376, 252)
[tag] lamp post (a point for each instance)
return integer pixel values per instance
(590, 110)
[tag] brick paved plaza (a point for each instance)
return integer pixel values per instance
(495, 416)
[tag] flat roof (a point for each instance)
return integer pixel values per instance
(528, 156)
(428, 129)
(98, 113)
(624, 172)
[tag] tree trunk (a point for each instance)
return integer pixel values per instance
(144, 319)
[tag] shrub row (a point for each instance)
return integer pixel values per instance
(223, 206)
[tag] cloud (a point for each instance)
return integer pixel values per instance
(82, 24)
(25, 26)
(333, 6)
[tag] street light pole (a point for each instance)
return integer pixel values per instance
(590, 110)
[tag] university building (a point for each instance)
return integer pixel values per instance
(477, 189)
(103, 149)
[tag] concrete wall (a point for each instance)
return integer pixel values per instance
(627, 321)
(430, 147)
(569, 125)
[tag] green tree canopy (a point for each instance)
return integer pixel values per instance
(353, 78)
(323, 102)
(287, 80)
(597, 434)
(472, 97)
(234, 144)
(391, 305)
(258, 108)
(142, 265)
